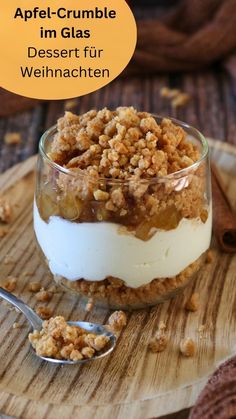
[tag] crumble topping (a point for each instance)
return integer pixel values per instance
(59, 340)
(121, 144)
(117, 161)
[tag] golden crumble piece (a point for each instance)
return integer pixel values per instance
(53, 289)
(187, 347)
(162, 326)
(12, 138)
(158, 343)
(8, 260)
(34, 286)
(180, 100)
(89, 305)
(70, 104)
(5, 210)
(3, 232)
(44, 312)
(76, 355)
(117, 321)
(100, 195)
(10, 283)
(210, 256)
(67, 350)
(60, 340)
(43, 296)
(201, 330)
(193, 303)
(168, 93)
(27, 273)
(100, 342)
(177, 97)
(160, 340)
(16, 325)
(87, 352)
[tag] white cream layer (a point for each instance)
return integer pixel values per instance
(94, 251)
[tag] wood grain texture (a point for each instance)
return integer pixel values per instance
(131, 382)
(212, 108)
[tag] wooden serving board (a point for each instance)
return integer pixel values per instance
(132, 382)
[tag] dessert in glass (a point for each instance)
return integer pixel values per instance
(123, 210)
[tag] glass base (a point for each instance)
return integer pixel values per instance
(112, 293)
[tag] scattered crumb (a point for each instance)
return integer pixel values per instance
(210, 256)
(180, 100)
(187, 347)
(158, 343)
(28, 274)
(43, 295)
(5, 210)
(3, 232)
(193, 303)
(53, 289)
(16, 325)
(10, 283)
(89, 305)
(117, 321)
(70, 104)
(8, 260)
(162, 326)
(44, 312)
(168, 93)
(12, 138)
(34, 286)
(177, 97)
(59, 340)
(201, 329)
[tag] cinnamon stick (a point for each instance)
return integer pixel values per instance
(224, 220)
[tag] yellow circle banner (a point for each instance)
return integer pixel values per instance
(59, 49)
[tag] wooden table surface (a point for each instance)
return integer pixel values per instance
(212, 110)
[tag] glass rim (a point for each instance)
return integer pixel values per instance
(157, 179)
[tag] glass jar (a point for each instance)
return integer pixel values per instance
(129, 259)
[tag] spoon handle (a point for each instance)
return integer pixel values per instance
(31, 316)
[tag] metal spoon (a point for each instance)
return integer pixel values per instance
(36, 323)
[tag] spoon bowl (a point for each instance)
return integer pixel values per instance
(36, 323)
